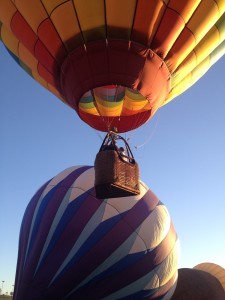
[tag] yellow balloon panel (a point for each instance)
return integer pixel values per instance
(6, 12)
(184, 8)
(209, 42)
(53, 4)
(207, 45)
(203, 19)
(119, 18)
(221, 6)
(32, 11)
(9, 40)
(68, 30)
(109, 111)
(91, 16)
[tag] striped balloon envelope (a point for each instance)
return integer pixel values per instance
(75, 246)
(115, 62)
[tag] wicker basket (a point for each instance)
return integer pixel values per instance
(114, 176)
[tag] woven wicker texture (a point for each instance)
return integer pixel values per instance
(115, 177)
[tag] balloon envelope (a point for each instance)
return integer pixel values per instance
(74, 246)
(114, 62)
(197, 284)
(215, 270)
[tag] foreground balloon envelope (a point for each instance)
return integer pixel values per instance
(203, 282)
(115, 62)
(74, 246)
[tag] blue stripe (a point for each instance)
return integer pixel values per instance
(87, 99)
(48, 198)
(68, 215)
(40, 213)
(96, 235)
(117, 267)
(114, 98)
(142, 295)
(30, 206)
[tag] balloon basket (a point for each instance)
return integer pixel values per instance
(115, 177)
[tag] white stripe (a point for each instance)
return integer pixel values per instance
(136, 242)
(139, 285)
(168, 267)
(63, 206)
(169, 294)
(148, 282)
(155, 227)
(48, 188)
(59, 178)
(32, 225)
(116, 256)
(83, 183)
(87, 231)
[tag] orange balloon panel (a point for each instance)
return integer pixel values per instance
(114, 62)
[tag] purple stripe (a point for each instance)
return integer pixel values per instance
(102, 228)
(64, 220)
(45, 224)
(68, 238)
(163, 290)
(24, 235)
(146, 264)
(119, 233)
(47, 216)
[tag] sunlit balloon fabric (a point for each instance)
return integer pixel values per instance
(115, 62)
(203, 282)
(74, 246)
(215, 270)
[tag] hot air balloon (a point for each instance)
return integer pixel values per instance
(213, 269)
(205, 281)
(114, 62)
(75, 246)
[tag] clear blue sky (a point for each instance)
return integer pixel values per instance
(182, 161)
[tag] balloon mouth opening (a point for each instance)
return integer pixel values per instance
(112, 104)
(120, 83)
